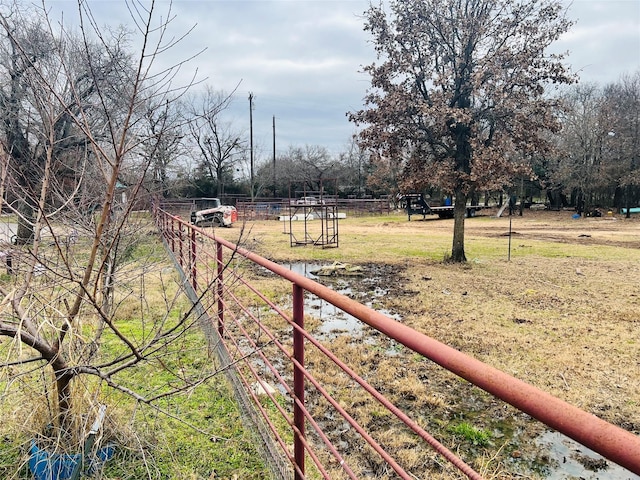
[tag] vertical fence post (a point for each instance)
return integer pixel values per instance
(180, 242)
(194, 269)
(509, 254)
(173, 235)
(298, 381)
(220, 289)
(205, 262)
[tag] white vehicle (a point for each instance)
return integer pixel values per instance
(308, 201)
(218, 216)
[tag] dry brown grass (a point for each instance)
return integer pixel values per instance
(562, 314)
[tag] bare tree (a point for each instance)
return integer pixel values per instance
(385, 175)
(623, 104)
(597, 156)
(79, 104)
(458, 95)
(216, 140)
(585, 165)
(164, 144)
(355, 162)
(307, 169)
(37, 122)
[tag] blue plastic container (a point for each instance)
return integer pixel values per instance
(51, 466)
(59, 466)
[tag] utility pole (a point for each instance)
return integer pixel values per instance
(274, 156)
(251, 141)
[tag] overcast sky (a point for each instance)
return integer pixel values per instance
(302, 59)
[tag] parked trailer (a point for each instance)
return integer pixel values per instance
(416, 204)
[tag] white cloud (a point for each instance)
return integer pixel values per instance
(302, 59)
(604, 42)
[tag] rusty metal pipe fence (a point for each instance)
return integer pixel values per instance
(275, 361)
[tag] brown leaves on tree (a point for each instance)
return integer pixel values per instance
(458, 93)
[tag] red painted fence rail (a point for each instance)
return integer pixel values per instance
(214, 271)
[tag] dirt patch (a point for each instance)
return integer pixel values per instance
(561, 227)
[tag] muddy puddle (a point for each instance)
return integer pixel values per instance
(363, 288)
(570, 460)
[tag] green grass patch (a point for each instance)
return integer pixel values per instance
(197, 433)
(471, 434)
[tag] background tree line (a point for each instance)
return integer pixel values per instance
(596, 162)
(593, 163)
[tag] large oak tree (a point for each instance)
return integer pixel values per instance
(458, 92)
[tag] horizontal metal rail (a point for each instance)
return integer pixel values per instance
(249, 325)
(274, 208)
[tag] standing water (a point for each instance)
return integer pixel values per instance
(334, 320)
(570, 460)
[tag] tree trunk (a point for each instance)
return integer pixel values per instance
(220, 187)
(63, 387)
(459, 213)
(628, 201)
(24, 235)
